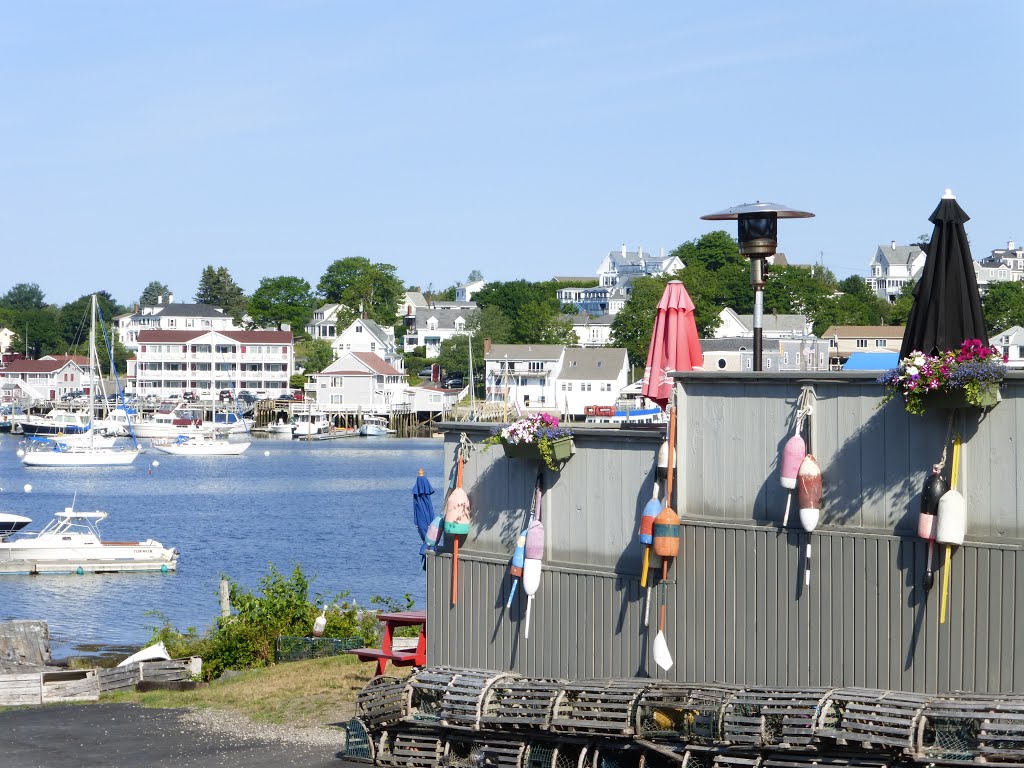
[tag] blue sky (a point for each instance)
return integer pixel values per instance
(144, 141)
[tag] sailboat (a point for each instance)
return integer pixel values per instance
(90, 449)
(203, 443)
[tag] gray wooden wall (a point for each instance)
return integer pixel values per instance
(737, 607)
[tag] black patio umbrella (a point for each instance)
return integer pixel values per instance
(947, 305)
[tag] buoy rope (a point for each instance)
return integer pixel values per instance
(945, 445)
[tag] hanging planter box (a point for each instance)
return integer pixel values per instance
(561, 450)
(957, 398)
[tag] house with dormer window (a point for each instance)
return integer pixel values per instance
(365, 335)
(522, 375)
(51, 376)
(590, 377)
(166, 315)
(892, 267)
(615, 274)
(324, 323)
(436, 323)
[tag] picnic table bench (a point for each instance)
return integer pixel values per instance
(400, 657)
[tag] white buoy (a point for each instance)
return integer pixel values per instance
(21, 453)
(155, 463)
(28, 488)
(266, 453)
(320, 624)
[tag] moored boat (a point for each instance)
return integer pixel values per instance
(71, 543)
(57, 422)
(375, 426)
(202, 444)
(310, 422)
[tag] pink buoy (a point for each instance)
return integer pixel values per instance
(793, 454)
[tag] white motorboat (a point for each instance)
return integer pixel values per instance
(57, 422)
(310, 422)
(375, 426)
(234, 423)
(202, 444)
(170, 420)
(71, 543)
(281, 427)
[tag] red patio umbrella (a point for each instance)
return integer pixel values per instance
(675, 345)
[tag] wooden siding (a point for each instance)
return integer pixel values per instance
(738, 611)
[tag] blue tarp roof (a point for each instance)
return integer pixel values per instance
(872, 361)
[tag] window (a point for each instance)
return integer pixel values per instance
(373, 346)
(569, 385)
(563, 386)
(880, 342)
(862, 343)
(536, 365)
(359, 329)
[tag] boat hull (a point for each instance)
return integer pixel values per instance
(100, 457)
(219, 448)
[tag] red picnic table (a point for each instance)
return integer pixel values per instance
(400, 657)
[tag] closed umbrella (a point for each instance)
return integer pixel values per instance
(675, 345)
(947, 305)
(423, 511)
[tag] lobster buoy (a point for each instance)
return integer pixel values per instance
(934, 488)
(646, 534)
(808, 485)
(515, 568)
(533, 560)
(433, 533)
(809, 492)
(951, 522)
(456, 513)
(793, 454)
(320, 624)
(663, 459)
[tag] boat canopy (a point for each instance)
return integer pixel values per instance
(70, 514)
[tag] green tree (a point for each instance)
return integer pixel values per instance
(453, 356)
(474, 275)
(1003, 306)
(23, 296)
(152, 292)
(318, 355)
(37, 331)
(218, 289)
(75, 319)
(282, 300)
(532, 309)
(356, 282)
(900, 312)
(490, 323)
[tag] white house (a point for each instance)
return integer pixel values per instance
(522, 375)
(430, 400)
(590, 377)
(1011, 343)
(436, 323)
(778, 354)
(464, 293)
(614, 277)
(1001, 265)
(324, 323)
(173, 362)
(50, 376)
(892, 267)
(592, 331)
(6, 340)
(365, 335)
(773, 326)
(411, 303)
(168, 316)
(359, 381)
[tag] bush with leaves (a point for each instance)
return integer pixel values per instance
(281, 607)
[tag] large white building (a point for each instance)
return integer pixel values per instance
(168, 316)
(359, 382)
(50, 377)
(892, 267)
(440, 321)
(615, 274)
(174, 362)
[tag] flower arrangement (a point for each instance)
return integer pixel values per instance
(974, 371)
(539, 432)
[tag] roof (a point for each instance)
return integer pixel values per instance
(524, 352)
(737, 344)
(377, 364)
(901, 254)
(189, 310)
(38, 366)
(871, 361)
(776, 323)
(445, 314)
(242, 337)
(416, 298)
(584, 319)
(593, 363)
(865, 331)
(80, 359)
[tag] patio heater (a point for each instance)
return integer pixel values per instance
(758, 225)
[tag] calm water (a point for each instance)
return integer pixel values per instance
(340, 508)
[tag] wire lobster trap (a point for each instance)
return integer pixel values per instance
(451, 697)
(471, 752)
(552, 754)
(358, 743)
(817, 760)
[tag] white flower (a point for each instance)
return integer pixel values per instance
(912, 370)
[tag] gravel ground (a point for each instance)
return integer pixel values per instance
(128, 736)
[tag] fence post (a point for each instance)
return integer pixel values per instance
(225, 598)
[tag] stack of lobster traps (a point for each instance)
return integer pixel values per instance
(443, 716)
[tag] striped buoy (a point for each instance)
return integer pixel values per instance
(809, 497)
(934, 487)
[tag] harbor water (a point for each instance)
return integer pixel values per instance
(342, 509)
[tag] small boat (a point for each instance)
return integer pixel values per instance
(71, 543)
(10, 416)
(281, 427)
(11, 523)
(234, 423)
(57, 422)
(202, 444)
(310, 422)
(61, 452)
(611, 415)
(375, 426)
(173, 419)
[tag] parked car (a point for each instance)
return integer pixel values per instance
(226, 395)
(455, 382)
(188, 397)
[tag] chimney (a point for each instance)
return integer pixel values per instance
(1011, 246)
(170, 298)
(487, 346)
(663, 253)
(160, 299)
(893, 245)
(623, 250)
(640, 251)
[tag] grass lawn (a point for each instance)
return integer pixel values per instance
(300, 693)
